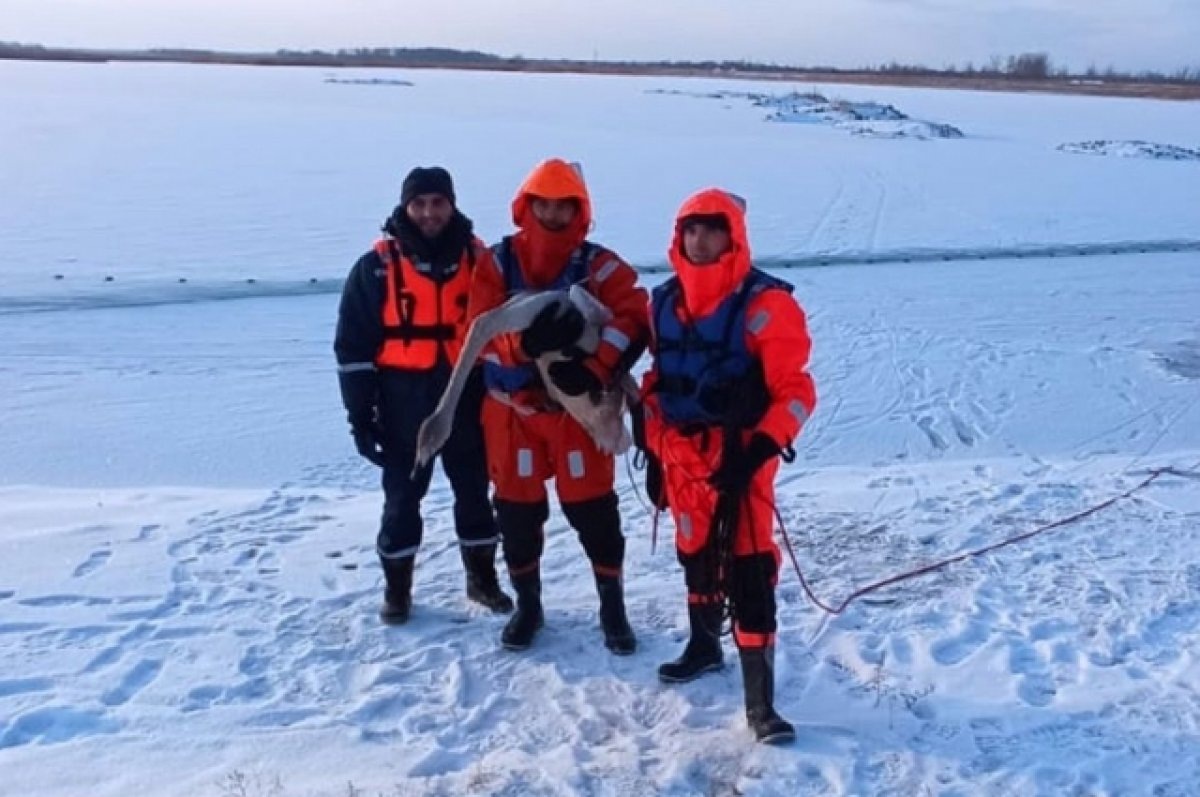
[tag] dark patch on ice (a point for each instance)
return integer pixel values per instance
(1132, 149)
(63, 297)
(150, 293)
(1182, 359)
(868, 119)
(368, 81)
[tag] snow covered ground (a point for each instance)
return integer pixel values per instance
(187, 583)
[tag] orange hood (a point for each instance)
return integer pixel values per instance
(551, 179)
(544, 253)
(704, 287)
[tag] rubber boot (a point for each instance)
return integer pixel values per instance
(703, 651)
(397, 592)
(618, 636)
(479, 562)
(521, 628)
(758, 678)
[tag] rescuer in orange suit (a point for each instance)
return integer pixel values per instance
(727, 392)
(529, 437)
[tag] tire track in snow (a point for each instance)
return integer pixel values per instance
(852, 218)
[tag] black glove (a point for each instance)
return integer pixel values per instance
(368, 439)
(550, 331)
(637, 417)
(656, 490)
(735, 473)
(573, 377)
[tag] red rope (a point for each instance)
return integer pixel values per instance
(878, 585)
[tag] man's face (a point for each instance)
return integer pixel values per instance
(554, 214)
(703, 244)
(430, 213)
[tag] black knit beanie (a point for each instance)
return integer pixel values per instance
(426, 180)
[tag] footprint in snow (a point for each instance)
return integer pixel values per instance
(92, 563)
(1036, 687)
(134, 681)
(956, 649)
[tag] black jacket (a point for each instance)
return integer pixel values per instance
(359, 334)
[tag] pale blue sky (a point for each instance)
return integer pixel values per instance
(1129, 34)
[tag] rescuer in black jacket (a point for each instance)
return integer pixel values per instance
(401, 325)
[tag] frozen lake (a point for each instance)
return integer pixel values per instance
(187, 577)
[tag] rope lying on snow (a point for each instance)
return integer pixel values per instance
(930, 568)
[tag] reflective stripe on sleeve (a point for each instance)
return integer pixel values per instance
(606, 270)
(799, 412)
(616, 337)
(759, 322)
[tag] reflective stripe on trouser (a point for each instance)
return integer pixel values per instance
(752, 593)
(523, 451)
(693, 500)
(401, 527)
(687, 462)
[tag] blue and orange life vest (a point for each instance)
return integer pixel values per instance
(706, 375)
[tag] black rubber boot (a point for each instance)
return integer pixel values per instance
(518, 634)
(758, 678)
(703, 651)
(479, 562)
(618, 636)
(397, 592)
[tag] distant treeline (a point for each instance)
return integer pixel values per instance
(1039, 66)
(1023, 68)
